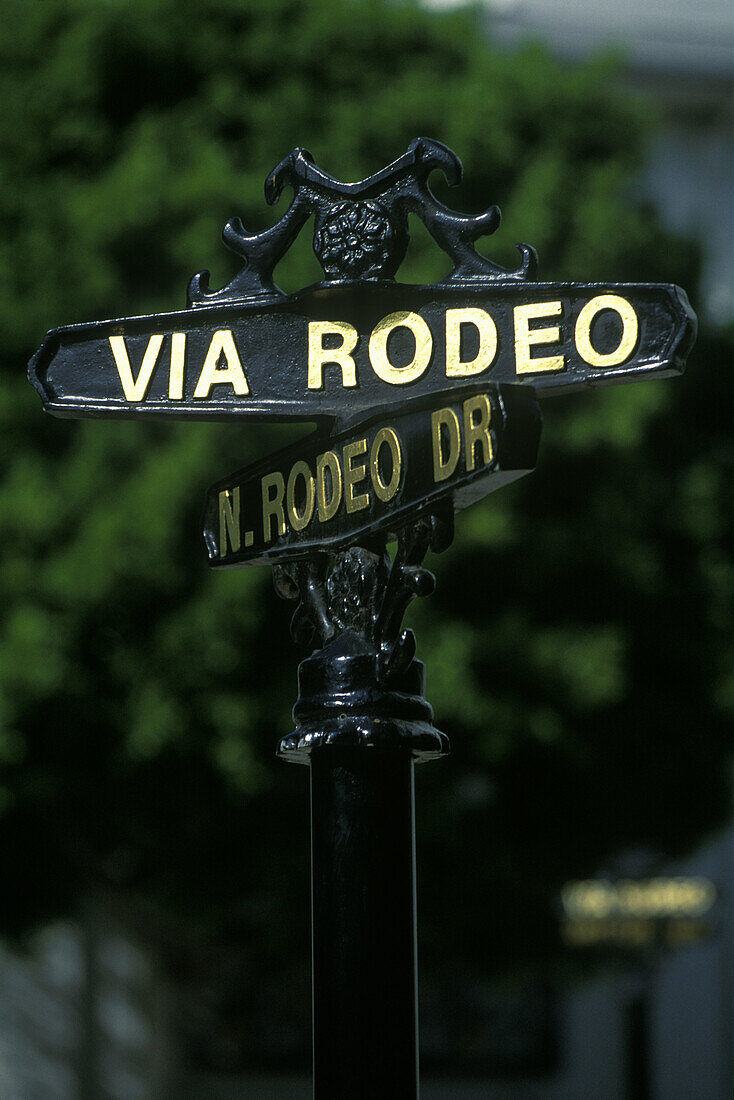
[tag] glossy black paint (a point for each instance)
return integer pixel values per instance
(362, 723)
(357, 695)
(360, 238)
(515, 434)
(356, 599)
(364, 930)
(74, 370)
(362, 720)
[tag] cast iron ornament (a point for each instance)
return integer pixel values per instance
(361, 229)
(363, 687)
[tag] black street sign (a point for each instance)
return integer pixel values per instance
(639, 913)
(328, 492)
(424, 399)
(333, 352)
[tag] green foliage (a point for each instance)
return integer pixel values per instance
(579, 646)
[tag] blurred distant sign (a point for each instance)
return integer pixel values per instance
(670, 912)
(504, 1028)
(328, 491)
(359, 341)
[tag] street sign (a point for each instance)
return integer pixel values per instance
(424, 398)
(329, 492)
(359, 341)
(329, 352)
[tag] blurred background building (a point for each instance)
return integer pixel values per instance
(680, 56)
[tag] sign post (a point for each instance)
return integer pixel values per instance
(424, 401)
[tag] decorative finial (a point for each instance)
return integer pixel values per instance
(361, 229)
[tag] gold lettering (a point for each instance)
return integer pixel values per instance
(212, 375)
(386, 490)
(340, 356)
(327, 507)
(135, 389)
(178, 359)
(229, 520)
(443, 468)
(456, 367)
(383, 368)
(525, 338)
(629, 331)
(353, 474)
(477, 431)
(273, 504)
(299, 520)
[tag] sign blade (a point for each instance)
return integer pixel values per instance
(344, 350)
(327, 492)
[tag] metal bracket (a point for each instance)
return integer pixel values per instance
(363, 688)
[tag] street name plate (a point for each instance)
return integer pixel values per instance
(325, 493)
(330, 352)
(359, 341)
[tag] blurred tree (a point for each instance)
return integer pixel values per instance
(579, 646)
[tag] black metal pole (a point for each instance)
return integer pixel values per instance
(362, 723)
(365, 1017)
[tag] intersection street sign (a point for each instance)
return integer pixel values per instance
(331, 352)
(328, 492)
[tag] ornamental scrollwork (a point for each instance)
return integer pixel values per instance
(364, 591)
(361, 229)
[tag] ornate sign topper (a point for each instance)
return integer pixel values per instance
(328, 493)
(358, 341)
(424, 399)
